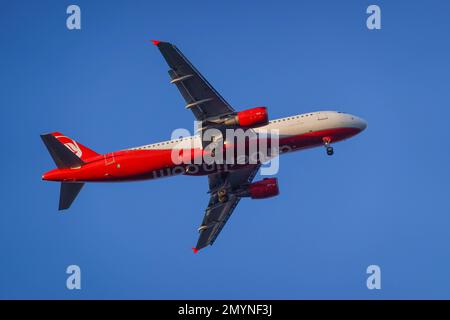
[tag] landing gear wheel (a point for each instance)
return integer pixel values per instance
(223, 199)
(222, 195)
(330, 151)
(326, 142)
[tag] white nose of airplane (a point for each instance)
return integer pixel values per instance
(360, 123)
(354, 121)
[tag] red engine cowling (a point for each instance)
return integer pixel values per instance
(254, 117)
(265, 188)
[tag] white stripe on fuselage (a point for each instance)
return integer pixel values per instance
(290, 126)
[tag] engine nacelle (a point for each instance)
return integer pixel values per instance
(266, 188)
(250, 118)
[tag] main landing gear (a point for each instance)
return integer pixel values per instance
(222, 195)
(326, 143)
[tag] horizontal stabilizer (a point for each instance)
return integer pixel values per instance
(68, 193)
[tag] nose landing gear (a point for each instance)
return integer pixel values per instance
(326, 143)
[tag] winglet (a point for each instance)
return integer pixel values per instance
(194, 249)
(156, 42)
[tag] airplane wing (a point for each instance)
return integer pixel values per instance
(204, 101)
(220, 208)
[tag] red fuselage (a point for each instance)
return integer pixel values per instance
(153, 162)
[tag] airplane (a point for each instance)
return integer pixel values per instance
(77, 164)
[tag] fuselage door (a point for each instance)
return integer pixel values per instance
(322, 116)
(109, 159)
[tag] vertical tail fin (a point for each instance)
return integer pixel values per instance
(67, 153)
(63, 157)
(68, 193)
(77, 148)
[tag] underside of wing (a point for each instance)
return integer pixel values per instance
(223, 201)
(215, 218)
(204, 101)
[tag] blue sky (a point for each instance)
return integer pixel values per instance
(381, 199)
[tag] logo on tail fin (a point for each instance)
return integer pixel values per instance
(71, 145)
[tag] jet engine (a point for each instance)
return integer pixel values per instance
(250, 118)
(266, 188)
